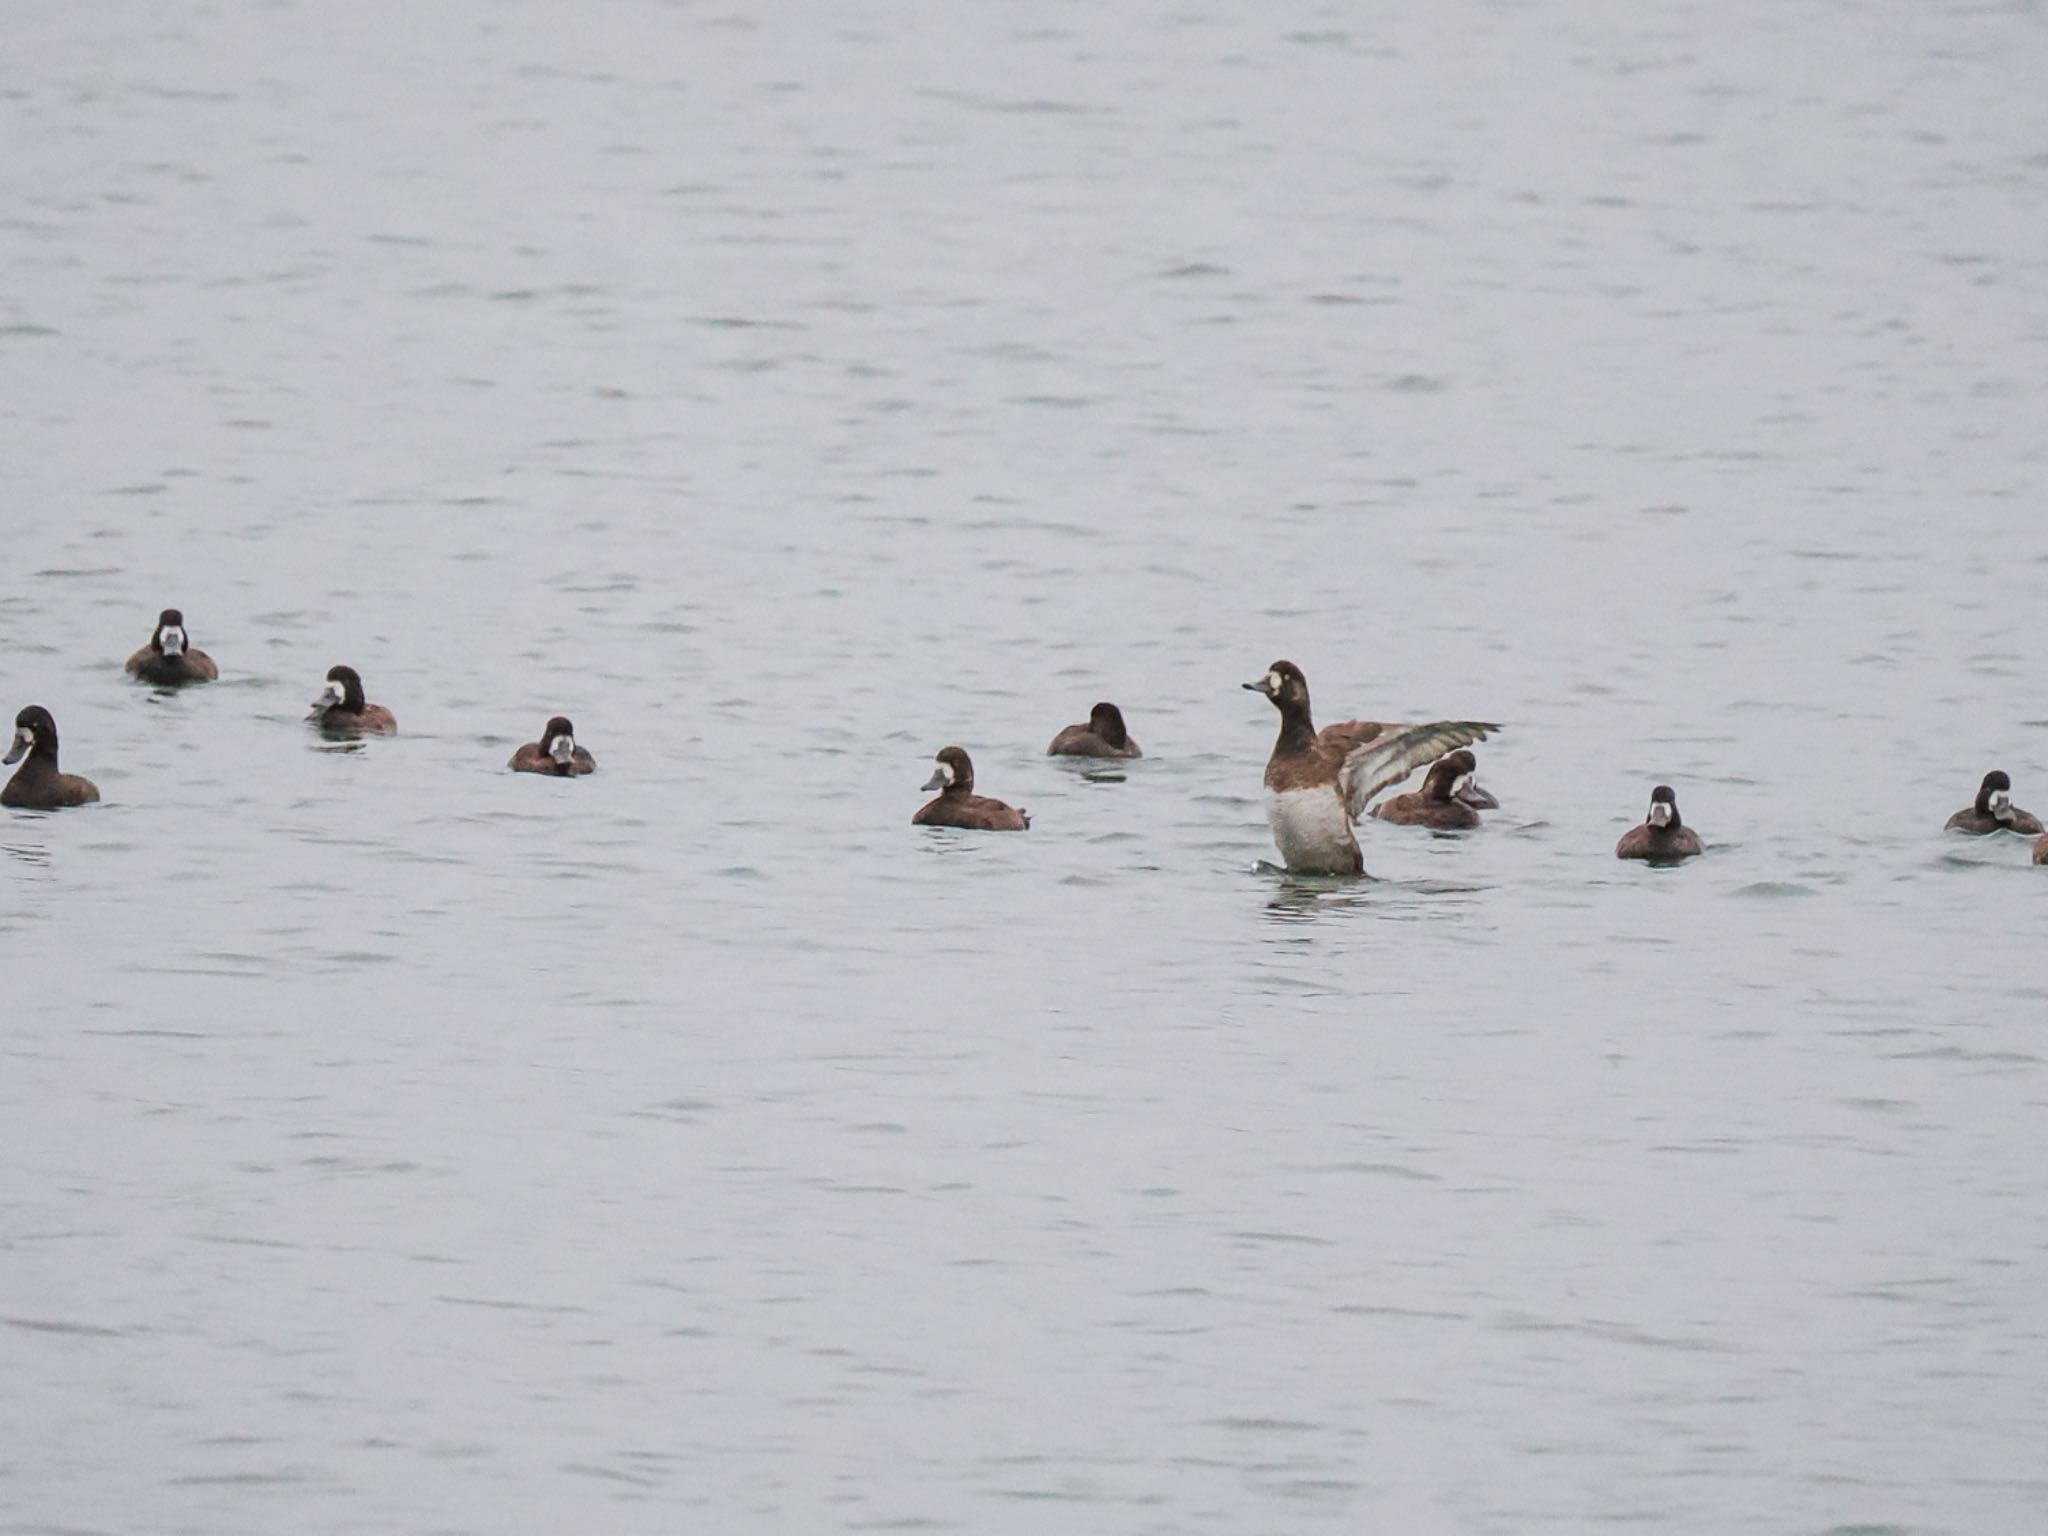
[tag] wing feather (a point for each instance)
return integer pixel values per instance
(1396, 751)
(1347, 736)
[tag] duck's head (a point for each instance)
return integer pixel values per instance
(1450, 775)
(954, 771)
(344, 691)
(1107, 721)
(34, 730)
(170, 638)
(1663, 807)
(558, 740)
(1284, 685)
(1994, 795)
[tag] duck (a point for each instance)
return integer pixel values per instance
(37, 785)
(958, 805)
(1662, 837)
(169, 661)
(1440, 803)
(556, 752)
(342, 709)
(1103, 736)
(1994, 810)
(1320, 782)
(2041, 851)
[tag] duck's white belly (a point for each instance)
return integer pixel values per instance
(1312, 828)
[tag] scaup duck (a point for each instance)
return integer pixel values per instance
(1440, 803)
(1103, 736)
(556, 752)
(958, 805)
(341, 707)
(1319, 782)
(1994, 810)
(168, 660)
(37, 785)
(1662, 836)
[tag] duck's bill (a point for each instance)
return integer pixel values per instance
(936, 781)
(1259, 687)
(22, 742)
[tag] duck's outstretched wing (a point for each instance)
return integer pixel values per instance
(1347, 736)
(1393, 752)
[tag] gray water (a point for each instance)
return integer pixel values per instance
(393, 1143)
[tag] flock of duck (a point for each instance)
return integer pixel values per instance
(170, 660)
(1318, 783)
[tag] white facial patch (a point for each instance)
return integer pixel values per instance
(25, 738)
(1272, 682)
(1464, 782)
(946, 772)
(172, 640)
(2001, 804)
(335, 693)
(562, 748)
(1660, 813)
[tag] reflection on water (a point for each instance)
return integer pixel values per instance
(780, 393)
(1301, 898)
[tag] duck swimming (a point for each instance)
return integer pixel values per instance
(958, 805)
(1319, 782)
(1103, 736)
(169, 661)
(1662, 837)
(37, 785)
(1441, 802)
(1994, 811)
(556, 752)
(342, 710)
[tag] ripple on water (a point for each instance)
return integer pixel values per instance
(63, 1326)
(1375, 1170)
(1768, 890)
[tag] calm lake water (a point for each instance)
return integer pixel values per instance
(393, 1143)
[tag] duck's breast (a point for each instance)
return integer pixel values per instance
(1312, 829)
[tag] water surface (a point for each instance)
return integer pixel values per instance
(392, 1142)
